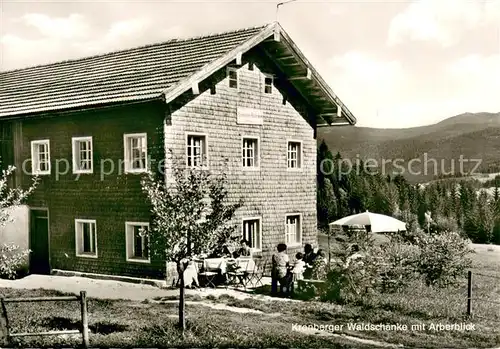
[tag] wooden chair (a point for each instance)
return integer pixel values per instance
(255, 277)
(236, 277)
(209, 276)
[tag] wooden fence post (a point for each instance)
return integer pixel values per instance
(85, 320)
(469, 292)
(4, 326)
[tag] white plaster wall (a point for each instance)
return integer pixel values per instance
(17, 228)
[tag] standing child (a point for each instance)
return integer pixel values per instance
(298, 270)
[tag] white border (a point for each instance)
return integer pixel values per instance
(85, 255)
(259, 218)
(127, 242)
(253, 168)
(301, 156)
(33, 144)
(299, 243)
(74, 140)
(186, 136)
(126, 153)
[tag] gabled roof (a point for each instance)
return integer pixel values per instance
(164, 70)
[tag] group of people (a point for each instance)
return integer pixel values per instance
(284, 274)
(223, 251)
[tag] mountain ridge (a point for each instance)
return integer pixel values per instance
(470, 135)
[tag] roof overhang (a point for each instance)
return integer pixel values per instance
(275, 43)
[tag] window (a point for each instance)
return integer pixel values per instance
(252, 233)
(294, 155)
(137, 239)
(136, 152)
(40, 157)
(86, 238)
(268, 84)
(293, 234)
(232, 74)
(250, 152)
(82, 154)
(196, 150)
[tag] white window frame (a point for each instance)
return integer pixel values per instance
(79, 238)
(35, 164)
(129, 242)
(74, 142)
(300, 155)
(127, 152)
(204, 148)
(256, 153)
(268, 76)
(233, 69)
(259, 219)
(297, 243)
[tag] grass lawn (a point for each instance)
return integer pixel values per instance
(121, 323)
(420, 304)
(124, 323)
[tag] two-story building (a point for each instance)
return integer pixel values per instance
(246, 102)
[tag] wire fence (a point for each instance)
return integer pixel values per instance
(470, 297)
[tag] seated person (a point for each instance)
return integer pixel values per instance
(191, 275)
(320, 267)
(308, 258)
(244, 250)
(221, 252)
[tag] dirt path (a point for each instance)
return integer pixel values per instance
(110, 289)
(219, 306)
(313, 332)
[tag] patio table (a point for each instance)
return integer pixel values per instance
(212, 264)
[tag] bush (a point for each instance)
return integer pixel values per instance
(443, 258)
(399, 263)
(442, 224)
(409, 236)
(13, 261)
(353, 274)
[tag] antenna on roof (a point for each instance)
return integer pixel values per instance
(280, 4)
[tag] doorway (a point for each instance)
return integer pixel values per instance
(39, 242)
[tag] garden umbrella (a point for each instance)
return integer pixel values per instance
(378, 222)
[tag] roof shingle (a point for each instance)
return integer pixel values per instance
(133, 74)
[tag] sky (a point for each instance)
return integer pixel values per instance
(393, 63)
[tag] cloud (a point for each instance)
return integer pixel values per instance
(120, 34)
(442, 21)
(468, 84)
(22, 52)
(72, 37)
(127, 28)
(363, 67)
(478, 78)
(71, 27)
(365, 82)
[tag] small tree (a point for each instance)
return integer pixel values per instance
(11, 258)
(191, 216)
(443, 258)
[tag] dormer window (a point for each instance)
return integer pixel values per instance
(268, 84)
(232, 74)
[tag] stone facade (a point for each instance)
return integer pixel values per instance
(269, 192)
(109, 196)
(272, 191)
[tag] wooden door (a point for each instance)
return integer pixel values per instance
(39, 242)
